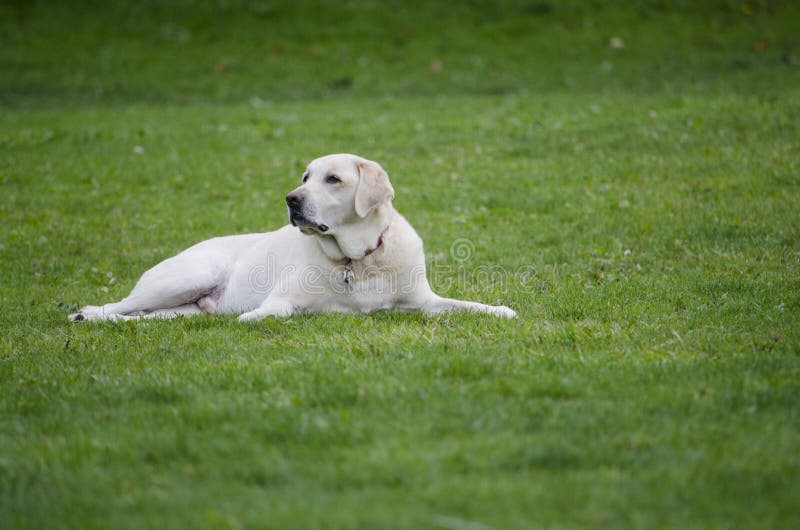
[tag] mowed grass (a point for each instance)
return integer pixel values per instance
(643, 221)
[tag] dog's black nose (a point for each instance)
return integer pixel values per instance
(294, 200)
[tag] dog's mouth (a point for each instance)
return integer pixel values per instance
(306, 225)
(297, 217)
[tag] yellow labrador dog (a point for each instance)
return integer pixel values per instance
(346, 250)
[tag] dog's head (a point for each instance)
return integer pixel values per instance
(338, 190)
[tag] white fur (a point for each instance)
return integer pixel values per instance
(301, 269)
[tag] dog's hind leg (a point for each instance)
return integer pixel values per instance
(174, 284)
(185, 310)
(95, 313)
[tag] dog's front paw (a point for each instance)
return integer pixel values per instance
(503, 311)
(250, 316)
(274, 308)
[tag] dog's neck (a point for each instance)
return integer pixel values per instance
(358, 240)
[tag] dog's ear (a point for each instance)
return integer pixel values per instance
(373, 189)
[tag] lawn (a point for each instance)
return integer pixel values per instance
(625, 176)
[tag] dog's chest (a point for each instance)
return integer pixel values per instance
(354, 287)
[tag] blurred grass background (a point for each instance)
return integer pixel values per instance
(189, 51)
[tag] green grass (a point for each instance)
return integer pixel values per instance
(640, 203)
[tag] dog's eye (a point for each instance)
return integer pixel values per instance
(333, 179)
(305, 177)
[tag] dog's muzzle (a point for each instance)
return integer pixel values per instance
(297, 216)
(295, 203)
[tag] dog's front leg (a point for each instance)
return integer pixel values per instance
(270, 307)
(436, 304)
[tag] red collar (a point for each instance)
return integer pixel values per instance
(378, 245)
